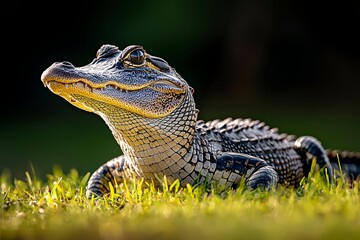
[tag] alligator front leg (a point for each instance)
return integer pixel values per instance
(257, 172)
(110, 172)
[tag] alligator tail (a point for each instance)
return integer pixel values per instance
(346, 164)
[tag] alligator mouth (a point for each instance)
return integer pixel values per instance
(154, 99)
(160, 85)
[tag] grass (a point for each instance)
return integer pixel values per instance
(58, 209)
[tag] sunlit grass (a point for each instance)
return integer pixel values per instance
(58, 209)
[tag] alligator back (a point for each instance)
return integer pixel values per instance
(255, 138)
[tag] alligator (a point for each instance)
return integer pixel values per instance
(151, 112)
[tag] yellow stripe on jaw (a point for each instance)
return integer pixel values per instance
(116, 85)
(97, 85)
(68, 92)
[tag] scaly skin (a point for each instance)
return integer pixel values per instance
(151, 112)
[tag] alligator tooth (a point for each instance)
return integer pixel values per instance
(73, 84)
(66, 85)
(87, 87)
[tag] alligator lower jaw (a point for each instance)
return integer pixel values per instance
(152, 101)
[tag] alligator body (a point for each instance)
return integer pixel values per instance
(151, 112)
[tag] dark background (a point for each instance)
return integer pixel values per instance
(292, 64)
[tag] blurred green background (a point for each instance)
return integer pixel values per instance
(292, 64)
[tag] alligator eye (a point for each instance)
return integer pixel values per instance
(137, 57)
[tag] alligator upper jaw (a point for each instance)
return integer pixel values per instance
(142, 91)
(70, 77)
(66, 73)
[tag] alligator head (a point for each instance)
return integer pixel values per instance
(131, 79)
(141, 98)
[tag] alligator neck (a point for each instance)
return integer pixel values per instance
(153, 145)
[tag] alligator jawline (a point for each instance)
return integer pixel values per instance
(79, 84)
(85, 86)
